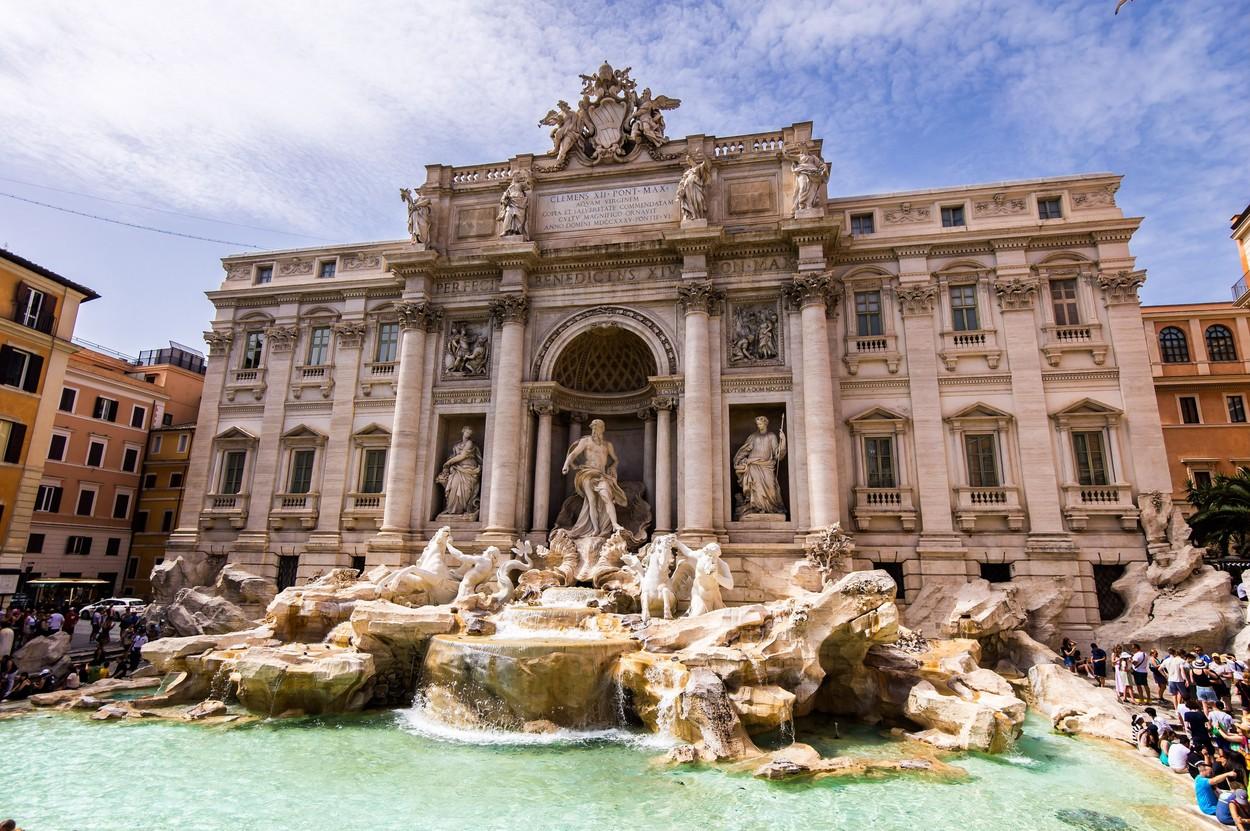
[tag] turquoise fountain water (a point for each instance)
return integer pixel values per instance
(401, 771)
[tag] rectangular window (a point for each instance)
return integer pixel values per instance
(167, 419)
(1049, 208)
(95, 453)
(157, 441)
(78, 545)
(167, 521)
(868, 313)
(121, 505)
(175, 480)
(388, 343)
(1202, 478)
(982, 455)
(1236, 409)
(232, 471)
(86, 503)
(862, 224)
(301, 471)
(34, 544)
(327, 270)
(1091, 457)
(182, 443)
(1063, 301)
(20, 369)
(141, 522)
(132, 568)
(105, 409)
(113, 547)
(130, 459)
(953, 216)
(69, 398)
(319, 346)
(964, 308)
(48, 498)
(264, 274)
(288, 570)
(12, 437)
(879, 461)
(138, 416)
(373, 473)
(30, 307)
(56, 447)
(149, 481)
(1189, 410)
(253, 350)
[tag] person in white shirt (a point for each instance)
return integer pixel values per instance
(1141, 674)
(1178, 756)
(55, 621)
(1175, 668)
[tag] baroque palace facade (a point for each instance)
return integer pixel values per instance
(960, 374)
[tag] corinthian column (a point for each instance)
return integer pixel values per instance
(663, 463)
(696, 474)
(415, 319)
(510, 313)
(542, 466)
(813, 294)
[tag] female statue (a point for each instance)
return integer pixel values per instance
(419, 209)
(514, 207)
(460, 477)
(755, 464)
(690, 189)
(810, 172)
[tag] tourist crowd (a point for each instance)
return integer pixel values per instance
(1186, 718)
(117, 639)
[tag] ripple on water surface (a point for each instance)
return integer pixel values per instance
(390, 771)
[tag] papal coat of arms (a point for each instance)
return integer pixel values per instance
(611, 120)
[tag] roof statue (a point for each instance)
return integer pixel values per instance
(611, 122)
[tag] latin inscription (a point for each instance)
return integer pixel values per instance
(478, 285)
(754, 265)
(607, 208)
(606, 276)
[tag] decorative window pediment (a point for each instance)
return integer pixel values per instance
(878, 419)
(979, 414)
(303, 436)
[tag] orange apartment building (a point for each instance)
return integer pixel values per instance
(38, 310)
(179, 371)
(90, 483)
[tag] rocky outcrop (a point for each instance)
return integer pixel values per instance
(966, 609)
(307, 613)
(199, 612)
(1200, 610)
(1073, 705)
(245, 590)
(192, 569)
(48, 652)
(299, 679)
(397, 637)
(1044, 600)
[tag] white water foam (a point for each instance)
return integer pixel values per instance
(418, 719)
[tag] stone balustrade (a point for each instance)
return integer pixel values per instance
(1080, 502)
(973, 504)
(229, 508)
(970, 344)
(1083, 337)
(880, 505)
(294, 509)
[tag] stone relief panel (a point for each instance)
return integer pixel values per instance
(297, 266)
(753, 337)
(467, 350)
(999, 205)
(475, 222)
(360, 261)
(745, 197)
(239, 271)
(1101, 198)
(907, 212)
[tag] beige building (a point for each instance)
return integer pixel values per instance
(90, 482)
(960, 372)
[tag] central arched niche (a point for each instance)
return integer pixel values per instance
(604, 360)
(604, 372)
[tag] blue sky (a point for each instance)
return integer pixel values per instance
(307, 117)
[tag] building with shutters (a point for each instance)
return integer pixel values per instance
(89, 486)
(38, 310)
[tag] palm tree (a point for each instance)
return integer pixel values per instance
(1222, 518)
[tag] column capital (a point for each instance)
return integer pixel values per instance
(419, 315)
(509, 308)
(1016, 293)
(916, 299)
(700, 296)
(813, 289)
(664, 402)
(1121, 286)
(350, 333)
(281, 338)
(218, 343)
(646, 413)
(542, 408)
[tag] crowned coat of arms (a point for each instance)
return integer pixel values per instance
(611, 121)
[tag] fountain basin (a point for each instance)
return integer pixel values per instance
(505, 682)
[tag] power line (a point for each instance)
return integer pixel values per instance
(130, 224)
(163, 210)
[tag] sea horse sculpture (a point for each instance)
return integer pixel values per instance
(655, 578)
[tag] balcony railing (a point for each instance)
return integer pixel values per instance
(884, 504)
(1114, 500)
(970, 344)
(363, 510)
(230, 508)
(313, 376)
(1241, 287)
(860, 348)
(1083, 337)
(294, 508)
(973, 503)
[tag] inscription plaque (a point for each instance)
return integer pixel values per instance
(607, 207)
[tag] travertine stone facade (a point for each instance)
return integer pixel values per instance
(962, 381)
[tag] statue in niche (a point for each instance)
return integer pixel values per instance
(755, 465)
(514, 207)
(461, 476)
(754, 338)
(594, 460)
(691, 188)
(420, 208)
(810, 172)
(467, 351)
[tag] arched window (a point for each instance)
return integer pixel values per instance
(1220, 345)
(1173, 345)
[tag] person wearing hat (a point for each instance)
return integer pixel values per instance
(1204, 788)
(1234, 809)
(1204, 683)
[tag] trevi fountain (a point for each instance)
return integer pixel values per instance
(744, 662)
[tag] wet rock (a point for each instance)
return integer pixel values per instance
(397, 637)
(763, 708)
(315, 680)
(170, 654)
(111, 711)
(683, 754)
(307, 613)
(1075, 706)
(478, 625)
(198, 612)
(539, 726)
(706, 704)
(205, 709)
(189, 570)
(780, 769)
(1045, 600)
